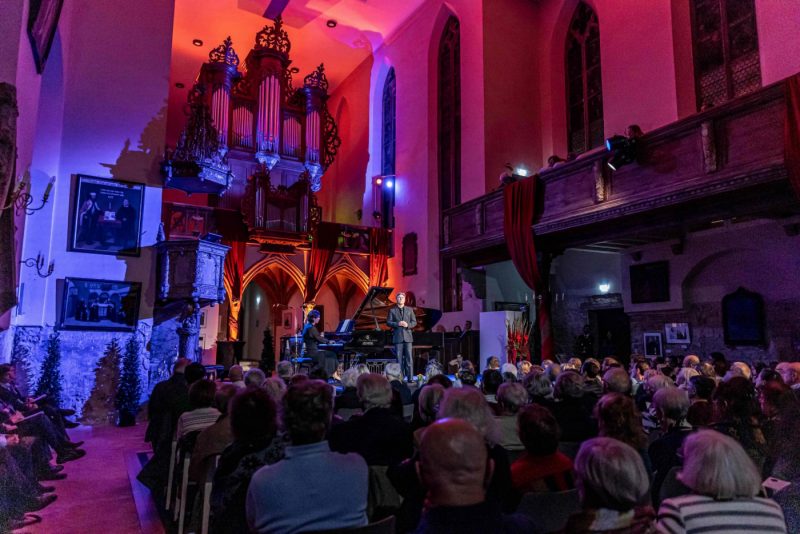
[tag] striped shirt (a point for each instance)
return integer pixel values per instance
(197, 419)
(698, 514)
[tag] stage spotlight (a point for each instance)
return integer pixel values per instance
(604, 287)
(623, 151)
(379, 181)
(521, 171)
(389, 184)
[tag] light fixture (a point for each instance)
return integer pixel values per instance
(389, 184)
(379, 181)
(521, 171)
(623, 147)
(179, 85)
(331, 23)
(197, 42)
(294, 70)
(604, 288)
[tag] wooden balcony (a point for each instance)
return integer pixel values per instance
(721, 163)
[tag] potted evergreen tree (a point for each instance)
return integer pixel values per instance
(130, 385)
(50, 381)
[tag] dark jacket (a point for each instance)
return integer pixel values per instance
(312, 338)
(396, 314)
(378, 436)
(169, 399)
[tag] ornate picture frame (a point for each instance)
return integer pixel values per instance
(104, 305)
(106, 216)
(652, 344)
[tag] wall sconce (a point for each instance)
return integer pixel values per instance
(21, 198)
(38, 263)
(604, 287)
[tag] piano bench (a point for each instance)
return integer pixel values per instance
(302, 363)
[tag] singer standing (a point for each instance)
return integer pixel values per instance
(401, 320)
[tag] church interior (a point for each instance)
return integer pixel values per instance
(250, 189)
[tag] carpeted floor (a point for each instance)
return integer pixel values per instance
(97, 496)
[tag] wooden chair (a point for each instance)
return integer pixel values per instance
(171, 477)
(208, 485)
(384, 526)
(550, 510)
(181, 495)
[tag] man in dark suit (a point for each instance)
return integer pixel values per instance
(401, 320)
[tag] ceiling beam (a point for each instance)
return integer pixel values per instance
(275, 8)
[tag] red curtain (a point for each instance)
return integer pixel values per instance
(792, 132)
(323, 247)
(378, 256)
(520, 209)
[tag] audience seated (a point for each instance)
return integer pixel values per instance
(348, 398)
(454, 468)
(612, 483)
(215, 438)
(724, 484)
(509, 372)
(618, 418)
(671, 407)
(379, 436)
(254, 378)
(701, 412)
(542, 467)
(275, 388)
(285, 371)
(511, 397)
(394, 374)
(592, 383)
(571, 409)
(539, 387)
(523, 368)
(255, 444)
(236, 376)
(490, 382)
(616, 380)
(203, 413)
(736, 415)
(312, 488)
(429, 399)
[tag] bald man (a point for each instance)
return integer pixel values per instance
(790, 372)
(455, 469)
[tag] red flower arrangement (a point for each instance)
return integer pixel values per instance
(519, 335)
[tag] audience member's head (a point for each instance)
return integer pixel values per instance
(701, 387)
(180, 365)
(469, 404)
(349, 378)
(284, 370)
(523, 368)
(467, 365)
(466, 377)
(790, 372)
(511, 396)
(374, 391)
(616, 380)
(734, 400)
(707, 369)
(671, 405)
(772, 396)
(538, 430)
(253, 416)
(683, 376)
(569, 385)
(318, 373)
(575, 363)
(490, 381)
(194, 372)
(591, 368)
(767, 375)
(254, 378)
(537, 384)
(618, 418)
(275, 388)
(738, 369)
(393, 372)
(656, 382)
(433, 368)
(442, 380)
(430, 398)
(691, 361)
(552, 370)
(235, 373)
(202, 393)
(720, 364)
(223, 397)
(493, 362)
(307, 411)
(610, 474)
(608, 363)
(716, 465)
(453, 464)
(509, 372)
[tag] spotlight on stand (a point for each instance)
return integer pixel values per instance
(389, 184)
(623, 147)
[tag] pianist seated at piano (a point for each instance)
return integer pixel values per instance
(324, 359)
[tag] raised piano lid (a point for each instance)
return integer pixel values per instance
(375, 307)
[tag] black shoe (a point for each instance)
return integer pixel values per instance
(71, 424)
(45, 489)
(73, 444)
(70, 455)
(53, 475)
(66, 412)
(40, 502)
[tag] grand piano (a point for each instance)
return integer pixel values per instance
(365, 334)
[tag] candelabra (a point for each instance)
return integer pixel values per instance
(38, 263)
(21, 197)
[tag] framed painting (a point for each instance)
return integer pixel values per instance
(108, 305)
(650, 282)
(106, 216)
(652, 344)
(743, 319)
(42, 23)
(677, 333)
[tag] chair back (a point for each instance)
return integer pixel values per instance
(384, 526)
(569, 448)
(408, 412)
(672, 487)
(550, 510)
(347, 413)
(382, 499)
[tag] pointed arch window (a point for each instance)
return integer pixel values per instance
(726, 57)
(584, 81)
(389, 128)
(449, 100)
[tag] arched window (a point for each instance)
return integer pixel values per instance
(449, 129)
(725, 42)
(389, 127)
(449, 70)
(584, 82)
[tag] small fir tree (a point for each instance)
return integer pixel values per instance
(50, 380)
(102, 401)
(130, 385)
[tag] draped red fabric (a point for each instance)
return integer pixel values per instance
(379, 256)
(792, 132)
(323, 248)
(520, 209)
